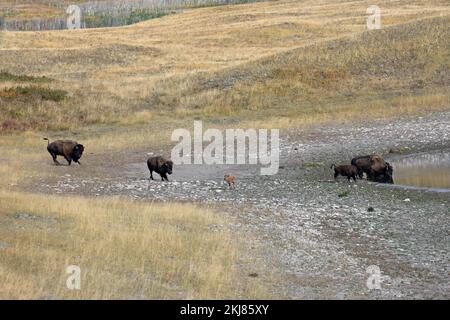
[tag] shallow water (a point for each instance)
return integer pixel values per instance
(429, 170)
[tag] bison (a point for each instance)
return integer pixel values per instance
(374, 167)
(160, 166)
(346, 170)
(70, 150)
(231, 180)
(362, 164)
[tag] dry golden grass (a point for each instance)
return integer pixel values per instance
(125, 249)
(180, 65)
(397, 71)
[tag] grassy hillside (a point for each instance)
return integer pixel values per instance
(312, 58)
(394, 71)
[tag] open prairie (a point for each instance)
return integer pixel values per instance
(310, 68)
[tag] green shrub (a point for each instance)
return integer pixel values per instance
(143, 14)
(6, 76)
(30, 92)
(343, 194)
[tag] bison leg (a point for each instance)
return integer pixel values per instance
(68, 160)
(151, 175)
(360, 174)
(163, 176)
(54, 159)
(335, 175)
(53, 156)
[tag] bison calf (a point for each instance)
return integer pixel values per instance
(231, 180)
(347, 170)
(70, 150)
(160, 166)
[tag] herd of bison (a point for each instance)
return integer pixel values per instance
(374, 166)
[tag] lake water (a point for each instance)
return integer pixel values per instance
(430, 170)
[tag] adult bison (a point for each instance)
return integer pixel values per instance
(362, 164)
(160, 166)
(375, 168)
(70, 150)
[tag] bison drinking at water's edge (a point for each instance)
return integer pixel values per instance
(375, 168)
(160, 166)
(70, 150)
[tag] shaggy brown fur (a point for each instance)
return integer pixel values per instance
(160, 166)
(231, 180)
(377, 165)
(70, 150)
(362, 164)
(346, 170)
(375, 168)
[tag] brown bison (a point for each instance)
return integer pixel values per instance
(231, 180)
(346, 170)
(70, 150)
(384, 175)
(160, 166)
(375, 168)
(362, 164)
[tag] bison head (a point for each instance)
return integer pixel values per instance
(385, 175)
(166, 167)
(388, 171)
(77, 152)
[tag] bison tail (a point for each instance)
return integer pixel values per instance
(48, 141)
